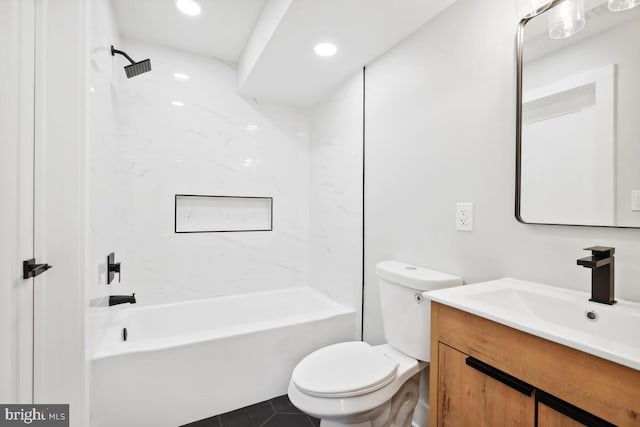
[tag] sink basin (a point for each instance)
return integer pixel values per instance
(561, 315)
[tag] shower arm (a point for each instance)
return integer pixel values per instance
(114, 51)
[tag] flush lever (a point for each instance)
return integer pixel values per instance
(31, 269)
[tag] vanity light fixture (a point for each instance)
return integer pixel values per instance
(530, 8)
(188, 7)
(622, 5)
(566, 19)
(181, 77)
(325, 49)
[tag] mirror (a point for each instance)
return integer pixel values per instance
(578, 116)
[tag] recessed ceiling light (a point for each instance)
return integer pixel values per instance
(325, 49)
(177, 103)
(188, 7)
(252, 127)
(181, 76)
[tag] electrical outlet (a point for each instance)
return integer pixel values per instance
(635, 200)
(464, 216)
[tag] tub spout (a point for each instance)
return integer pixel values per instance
(122, 299)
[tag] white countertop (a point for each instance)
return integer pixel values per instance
(556, 314)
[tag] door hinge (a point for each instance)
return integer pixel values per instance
(31, 269)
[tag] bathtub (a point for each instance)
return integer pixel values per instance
(191, 360)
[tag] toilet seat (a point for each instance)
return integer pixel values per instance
(357, 407)
(344, 370)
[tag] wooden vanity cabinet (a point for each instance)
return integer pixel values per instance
(486, 374)
(471, 397)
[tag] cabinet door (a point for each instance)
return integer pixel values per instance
(554, 412)
(472, 393)
(549, 417)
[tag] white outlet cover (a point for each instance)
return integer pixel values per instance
(635, 200)
(464, 216)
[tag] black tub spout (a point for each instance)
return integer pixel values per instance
(122, 299)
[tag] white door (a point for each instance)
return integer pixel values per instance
(17, 44)
(43, 63)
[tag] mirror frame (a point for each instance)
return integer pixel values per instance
(519, 73)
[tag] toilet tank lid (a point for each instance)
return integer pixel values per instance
(415, 277)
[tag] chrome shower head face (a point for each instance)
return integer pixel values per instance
(138, 68)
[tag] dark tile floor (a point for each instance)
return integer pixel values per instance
(277, 412)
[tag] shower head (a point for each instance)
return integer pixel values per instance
(135, 68)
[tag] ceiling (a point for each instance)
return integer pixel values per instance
(221, 31)
(271, 41)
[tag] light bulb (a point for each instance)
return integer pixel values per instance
(622, 5)
(566, 19)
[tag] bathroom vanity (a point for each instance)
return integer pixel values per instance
(485, 372)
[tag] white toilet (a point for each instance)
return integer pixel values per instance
(358, 385)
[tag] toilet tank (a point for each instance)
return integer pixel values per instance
(406, 315)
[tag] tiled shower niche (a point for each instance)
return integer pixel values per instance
(210, 214)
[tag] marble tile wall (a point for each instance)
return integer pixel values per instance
(104, 152)
(157, 135)
(335, 207)
(198, 136)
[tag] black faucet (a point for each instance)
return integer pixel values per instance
(122, 299)
(602, 280)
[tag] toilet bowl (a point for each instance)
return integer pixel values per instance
(353, 383)
(359, 385)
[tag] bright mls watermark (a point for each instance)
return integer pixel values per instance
(34, 415)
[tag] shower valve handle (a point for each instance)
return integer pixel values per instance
(113, 267)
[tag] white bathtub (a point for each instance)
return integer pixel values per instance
(191, 360)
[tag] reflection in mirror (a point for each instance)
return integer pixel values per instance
(578, 123)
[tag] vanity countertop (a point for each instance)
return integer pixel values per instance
(560, 315)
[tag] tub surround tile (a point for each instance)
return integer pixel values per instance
(103, 149)
(335, 181)
(214, 143)
(144, 150)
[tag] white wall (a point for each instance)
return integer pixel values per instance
(205, 147)
(335, 196)
(440, 129)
